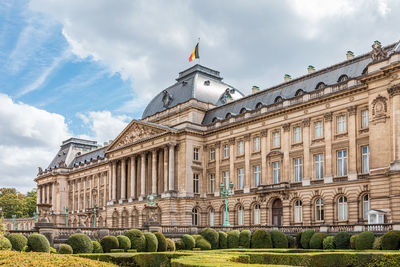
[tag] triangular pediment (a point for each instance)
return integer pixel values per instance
(136, 131)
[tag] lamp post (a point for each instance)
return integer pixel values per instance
(35, 215)
(13, 220)
(66, 216)
(225, 192)
(151, 200)
(95, 218)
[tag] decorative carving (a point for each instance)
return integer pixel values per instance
(394, 90)
(328, 116)
(306, 122)
(379, 107)
(218, 144)
(166, 99)
(137, 132)
(377, 52)
(286, 127)
(246, 137)
(352, 110)
(40, 170)
(232, 141)
(264, 132)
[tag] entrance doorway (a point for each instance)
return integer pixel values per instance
(277, 212)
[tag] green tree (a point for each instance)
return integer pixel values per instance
(14, 203)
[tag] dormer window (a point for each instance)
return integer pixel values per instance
(228, 116)
(278, 99)
(207, 83)
(320, 85)
(214, 119)
(299, 92)
(343, 78)
(184, 83)
(243, 110)
(259, 105)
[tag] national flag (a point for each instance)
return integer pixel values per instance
(195, 53)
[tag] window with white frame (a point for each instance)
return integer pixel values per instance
(298, 211)
(297, 134)
(364, 118)
(319, 166)
(319, 209)
(256, 143)
(257, 175)
(342, 208)
(341, 124)
(366, 206)
(318, 129)
(212, 153)
(342, 163)
(195, 216)
(212, 183)
(226, 151)
(276, 139)
(365, 159)
(256, 214)
(225, 175)
(196, 153)
(240, 178)
(240, 215)
(196, 188)
(211, 217)
(240, 147)
(102, 201)
(277, 172)
(298, 169)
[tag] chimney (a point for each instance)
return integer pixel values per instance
(349, 55)
(255, 89)
(287, 78)
(310, 69)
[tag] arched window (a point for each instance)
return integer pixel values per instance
(115, 221)
(298, 211)
(240, 215)
(365, 71)
(259, 105)
(320, 86)
(342, 208)
(211, 217)
(195, 217)
(343, 78)
(228, 115)
(243, 110)
(214, 119)
(256, 214)
(278, 99)
(319, 209)
(299, 92)
(366, 206)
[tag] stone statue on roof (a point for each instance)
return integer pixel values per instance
(377, 52)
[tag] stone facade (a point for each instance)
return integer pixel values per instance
(310, 157)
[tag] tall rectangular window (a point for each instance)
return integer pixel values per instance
(212, 153)
(341, 124)
(276, 139)
(277, 172)
(196, 188)
(240, 147)
(318, 129)
(297, 134)
(212, 183)
(257, 175)
(226, 151)
(240, 178)
(342, 163)
(298, 169)
(364, 119)
(365, 159)
(256, 144)
(225, 175)
(319, 166)
(195, 153)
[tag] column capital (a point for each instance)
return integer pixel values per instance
(394, 90)
(306, 122)
(133, 156)
(352, 110)
(232, 141)
(286, 127)
(264, 132)
(328, 116)
(246, 137)
(217, 144)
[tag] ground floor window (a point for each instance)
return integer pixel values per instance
(319, 209)
(298, 211)
(256, 214)
(366, 206)
(342, 208)
(211, 217)
(195, 217)
(240, 215)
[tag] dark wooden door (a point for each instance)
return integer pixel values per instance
(277, 212)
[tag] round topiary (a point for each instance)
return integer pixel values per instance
(179, 245)
(306, 237)
(233, 239)
(365, 240)
(108, 243)
(65, 249)
(245, 238)
(5, 244)
(124, 242)
(316, 240)
(196, 237)
(328, 242)
(151, 242)
(279, 239)
(162, 242)
(353, 239)
(391, 240)
(170, 244)
(223, 240)
(342, 240)
(261, 239)
(138, 241)
(211, 236)
(80, 243)
(377, 243)
(291, 241)
(97, 247)
(189, 242)
(38, 243)
(203, 244)
(18, 241)
(298, 240)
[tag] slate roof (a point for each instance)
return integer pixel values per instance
(88, 157)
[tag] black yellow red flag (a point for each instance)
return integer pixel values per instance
(195, 53)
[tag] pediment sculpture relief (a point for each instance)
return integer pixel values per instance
(137, 132)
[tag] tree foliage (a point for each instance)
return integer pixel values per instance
(14, 203)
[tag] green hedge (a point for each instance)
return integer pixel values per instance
(151, 242)
(291, 241)
(316, 240)
(233, 239)
(18, 241)
(211, 236)
(124, 242)
(298, 240)
(261, 239)
(279, 239)
(138, 241)
(80, 243)
(179, 245)
(97, 247)
(342, 240)
(5, 244)
(38, 243)
(365, 240)
(223, 240)
(65, 249)
(245, 238)
(117, 250)
(109, 242)
(189, 242)
(306, 237)
(353, 239)
(329, 242)
(170, 244)
(377, 243)
(391, 240)
(162, 242)
(203, 244)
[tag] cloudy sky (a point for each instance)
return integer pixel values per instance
(85, 68)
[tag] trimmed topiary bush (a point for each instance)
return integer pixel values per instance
(151, 242)
(65, 249)
(298, 240)
(170, 244)
(329, 242)
(97, 247)
(291, 241)
(38, 243)
(261, 239)
(18, 241)
(138, 241)
(233, 239)
(342, 240)
(162, 242)
(245, 238)
(108, 243)
(5, 243)
(306, 237)
(189, 242)
(211, 236)
(179, 245)
(124, 242)
(117, 250)
(53, 250)
(203, 244)
(80, 243)
(279, 239)
(391, 240)
(377, 243)
(365, 240)
(353, 239)
(316, 240)
(223, 240)
(196, 237)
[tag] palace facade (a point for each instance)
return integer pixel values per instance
(320, 149)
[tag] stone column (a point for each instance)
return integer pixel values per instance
(142, 176)
(123, 180)
(105, 188)
(231, 161)
(110, 174)
(285, 144)
(84, 182)
(133, 178)
(154, 171)
(79, 194)
(43, 191)
(352, 153)
(91, 180)
(328, 147)
(394, 93)
(73, 195)
(114, 182)
(165, 169)
(171, 169)
(264, 148)
(247, 168)
(217, 172)
(307, 161)
(38, 195)
(48, 194)
(53, 196)
(99, 177)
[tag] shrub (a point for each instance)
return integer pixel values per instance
(298, 240)
(377, 243)
(97, 247)
(170, 244)
(65, 249)
(179, 245)
(291, 241)
(38, 243)
(233, 239)
(329, 242)
(316, 240)
(131, 251)
(203, 244)
(5, 244)
(196, 237)
(211, 236)
(151, 242)
(124, 242)
(245, 238)
(162, 242)
(108, 243)
(353, 239)
(342, 240)
(279, 239)
(390, 240)
(223, 240)
(138, 241)
(365, 240)
(305, 238)
(261, 239)
(80, 243)
(18, 241)
(189, 242)
(117, 250)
